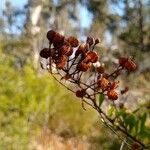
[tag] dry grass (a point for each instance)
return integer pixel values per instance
(50, 141)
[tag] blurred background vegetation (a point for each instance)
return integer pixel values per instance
(35, 111)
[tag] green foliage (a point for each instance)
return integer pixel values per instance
(29, 100)
(134, 122)
(101, 99)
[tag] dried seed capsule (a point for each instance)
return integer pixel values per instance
(81, 93)
(66, 50)
(45, 53)
(105, 75)
(90, 40)
(73, 41)
(125, 90)
(97, 41)
(103, 83)
(83, 66)
(91, 57)
(58, 40)
(113, 85)
(50, 35)
(112, 95)
(130, 65)
(66, 77)
(100, 69)
(61, 62)
(122, 61)
(81, 49)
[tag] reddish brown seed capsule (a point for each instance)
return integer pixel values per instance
(83, 66)
(91, 57)
(113, 85)
(130, 65)
(50, 35)
(112, 95)
(122, 61)
(80, 93)
(103, 83)
(105, 75)
(97, 41)
(45, 53)
(73, 41)
(90, 41)
(81, 49)
(66, 77)
(58, 40)
(66, 50)
(61, 62)
(100, 69)
(125, 90)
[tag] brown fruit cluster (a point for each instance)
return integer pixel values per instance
(75, 62)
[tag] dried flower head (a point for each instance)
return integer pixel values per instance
(130, 65)
(97, 41)
(103, 83)
(81, 93)
(90, 40)
(122, 61)
(83, 66)
(73, 41)
(50, 35)
(45, 53)
(91, 56)
(112, 95)
(61, 62)
(81, 49)
(100, 69)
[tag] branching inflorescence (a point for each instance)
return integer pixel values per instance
(77, 67)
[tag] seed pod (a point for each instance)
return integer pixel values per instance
(66, 50)
(105, 75)
(81, 49)
(61, 62)
(81, 93)
(130, 65)
(125, 90)
(66, 77)
(90, 40)
(97, 41)
(103, 83)
(122, 61)
(73, 41)
(113, 85)
(91, 57)
(45, 53)
(100, 69)
(112, 95)
(50, 35)
(83, 66)
(58, 40)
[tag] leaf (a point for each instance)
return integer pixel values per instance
(130, 121)
(111, 110)
(122, 112)
(101, 99)
(142, 122)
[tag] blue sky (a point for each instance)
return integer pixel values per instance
(84, 16)
(16, 3)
